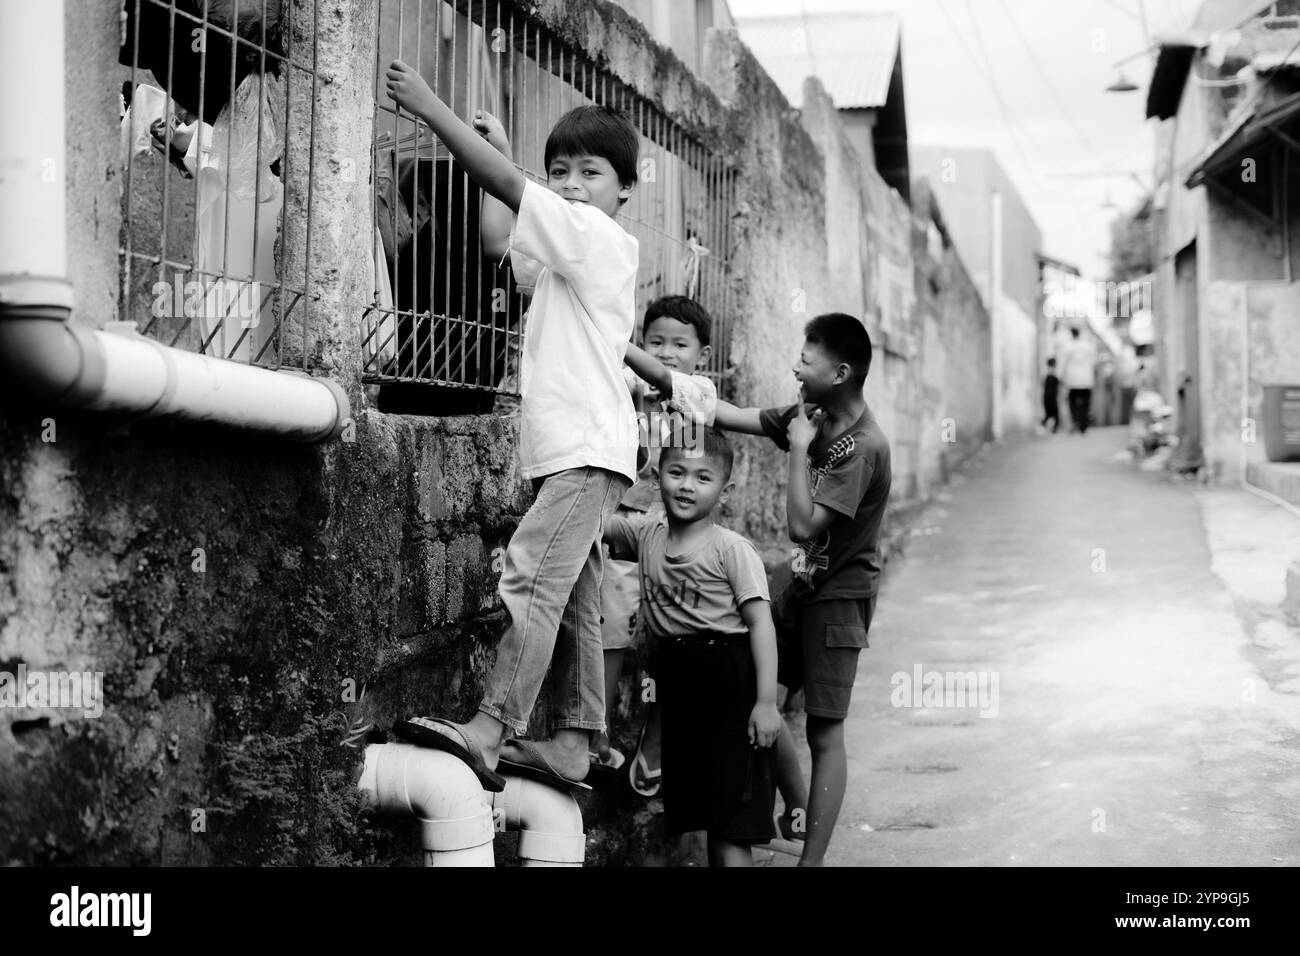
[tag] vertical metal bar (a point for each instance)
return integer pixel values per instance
(716, 252)
(197, 141)
(128, 258)
(229, 110)
(544, 117)
(286, 33)
(263, 169)
(464, 226)
(505, 101)
(167, 141)
(258, 173)
(375, 318)
(417, 184)
(311, 173)
(399, 362)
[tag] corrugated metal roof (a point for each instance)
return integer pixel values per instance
(852, 54)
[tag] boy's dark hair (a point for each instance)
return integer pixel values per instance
(596, 131)
(1051, 363)
(683, 309)
(714, 444)
(845, 339)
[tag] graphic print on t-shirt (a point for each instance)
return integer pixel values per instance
(810, 557)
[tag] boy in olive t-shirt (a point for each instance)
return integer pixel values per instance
(839, 483)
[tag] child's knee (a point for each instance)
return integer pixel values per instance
(824, 733)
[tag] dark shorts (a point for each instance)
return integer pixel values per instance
(713, 778)
(817, 646)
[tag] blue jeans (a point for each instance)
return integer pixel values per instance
(550, 585)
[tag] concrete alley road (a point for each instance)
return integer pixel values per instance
(1146, 708)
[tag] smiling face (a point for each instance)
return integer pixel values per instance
(818, 372)
(587, 179)
(692, 486)
(676, 344)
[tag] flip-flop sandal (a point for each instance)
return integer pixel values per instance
(605, 772)
(438, 734)
(614, 761)
(652, 778)
(534, 766)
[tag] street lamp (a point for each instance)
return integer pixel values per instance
(1122, 84)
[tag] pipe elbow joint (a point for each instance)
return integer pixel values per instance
(440, 791)
(549, 821)
(49, 358)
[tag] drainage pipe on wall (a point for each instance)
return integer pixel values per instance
(456, 821)
(549, 821)
(59, 362)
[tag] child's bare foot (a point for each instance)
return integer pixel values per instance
(408, 89)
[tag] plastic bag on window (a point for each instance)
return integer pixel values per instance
(144, 121)
(239, 205)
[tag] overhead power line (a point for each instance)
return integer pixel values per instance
(987, 76)
(1047, 79)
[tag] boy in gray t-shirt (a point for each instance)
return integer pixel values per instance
(705, 609)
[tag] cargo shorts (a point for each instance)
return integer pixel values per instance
(817, 644)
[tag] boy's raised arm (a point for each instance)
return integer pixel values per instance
(804, 518)
(730, 418)
(650, 370)
(495, 217)
(495, 173)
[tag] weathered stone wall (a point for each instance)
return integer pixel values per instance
(253, 605)
(779, 262)
(955, 352)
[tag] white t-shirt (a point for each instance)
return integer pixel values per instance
(1078, 359)
(694, 397)
(575, 410)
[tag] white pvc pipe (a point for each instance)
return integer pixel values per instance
(438, 788)
(549, 821)
(33, 248)
(143, 376)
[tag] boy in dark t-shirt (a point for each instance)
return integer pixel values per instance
(838, 488)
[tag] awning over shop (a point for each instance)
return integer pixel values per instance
(1244, 135)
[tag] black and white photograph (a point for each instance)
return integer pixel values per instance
(641, 434)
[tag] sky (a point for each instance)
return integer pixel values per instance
(1070, 147)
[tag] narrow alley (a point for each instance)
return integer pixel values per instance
(1140, 699)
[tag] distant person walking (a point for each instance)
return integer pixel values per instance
(1078, 370)
(1051, 388)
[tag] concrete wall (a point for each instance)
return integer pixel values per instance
(955, 354)
(964, 180)
(1020, 381)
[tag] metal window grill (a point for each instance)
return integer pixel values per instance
(444, 322)
(210, 88)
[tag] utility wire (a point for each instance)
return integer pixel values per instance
(988, 80)
(1047, 79)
